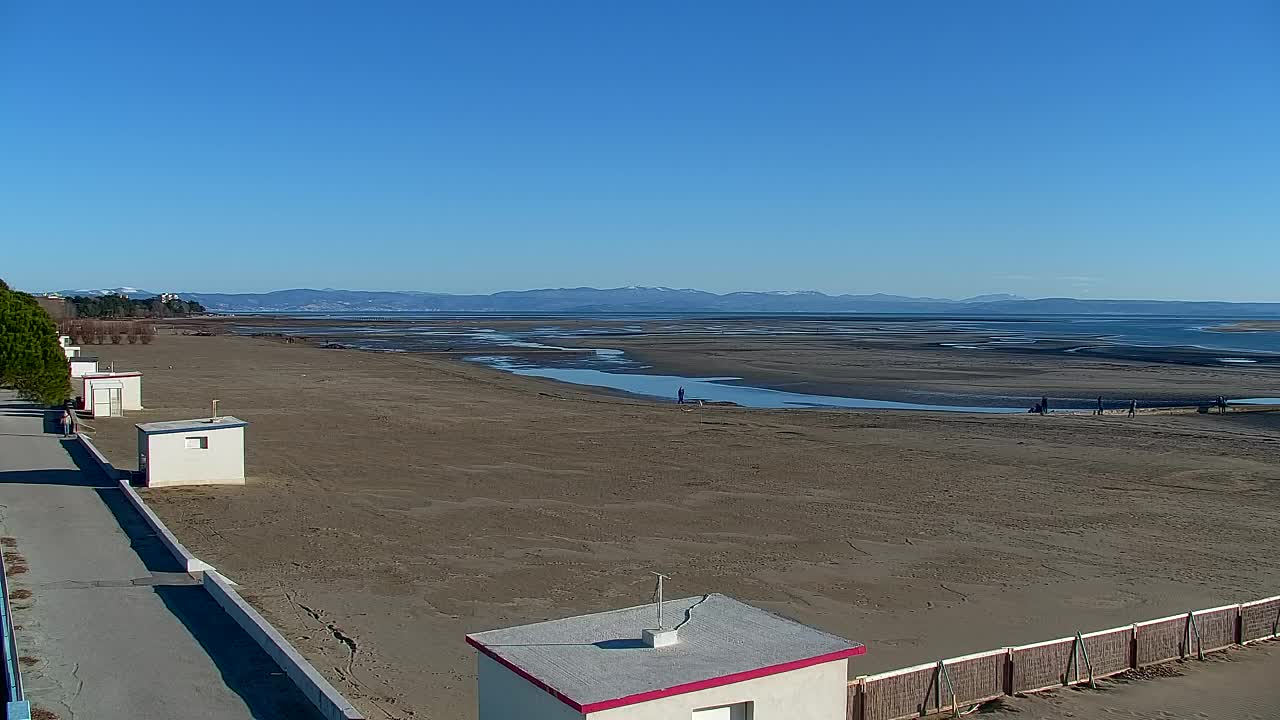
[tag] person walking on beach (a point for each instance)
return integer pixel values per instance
(680, 395)
(1133, 408)
(67, 423)
(1222, 405)
(1099, 411)
(1044, 405)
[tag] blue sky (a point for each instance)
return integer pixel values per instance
(1094, 149)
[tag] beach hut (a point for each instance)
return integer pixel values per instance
(69, 350)
(206, 451)
(81, 366)
(112, 394)
(718, 659)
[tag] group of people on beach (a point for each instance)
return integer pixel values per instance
(1133, 407)
(1042, 407)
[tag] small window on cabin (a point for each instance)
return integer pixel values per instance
(198, 443)
(737, 711)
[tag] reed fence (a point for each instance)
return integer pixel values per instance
(950, 686)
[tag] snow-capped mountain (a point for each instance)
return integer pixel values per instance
(131, 292)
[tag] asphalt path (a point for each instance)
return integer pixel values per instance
(113, 629)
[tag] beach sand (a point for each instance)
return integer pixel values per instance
(403, 500)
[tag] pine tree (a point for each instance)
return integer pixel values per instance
(31, 361)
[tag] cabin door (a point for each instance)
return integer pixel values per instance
(101, 403)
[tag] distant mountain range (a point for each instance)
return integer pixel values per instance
(661, 299)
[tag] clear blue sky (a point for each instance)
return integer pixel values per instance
(1094, 149)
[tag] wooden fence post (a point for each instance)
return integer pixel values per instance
(1008, 670)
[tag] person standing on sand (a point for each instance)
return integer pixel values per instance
(1099, 412)
(1133, 408)
(680, 395)
(1044, 405)
(1222, 405)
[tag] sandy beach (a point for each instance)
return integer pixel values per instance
(398, 501)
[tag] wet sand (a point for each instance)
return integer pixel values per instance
(891, 360)
(402, 500)
(921, 372)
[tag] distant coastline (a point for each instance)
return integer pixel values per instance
(1248, 326)
(635, 299)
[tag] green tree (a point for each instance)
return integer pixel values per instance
(31, 361)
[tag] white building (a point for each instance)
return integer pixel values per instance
(208, 451)
(729, 661)
(81, 366)
(69, 350)
(111, 394)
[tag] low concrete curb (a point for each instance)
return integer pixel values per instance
(191, 563)
(98, 457)
(331, 704)
(325, 697)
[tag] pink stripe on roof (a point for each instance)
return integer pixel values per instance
(520, 671)
(676, 689)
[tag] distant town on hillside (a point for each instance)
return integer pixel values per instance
(106, 304)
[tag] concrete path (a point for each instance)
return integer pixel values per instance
(113, 630)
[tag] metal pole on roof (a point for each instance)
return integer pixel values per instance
(661, 577)
(215, 410)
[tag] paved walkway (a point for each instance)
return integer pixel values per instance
(116, 630)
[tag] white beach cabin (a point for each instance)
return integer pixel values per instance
(726, 661)
(81, 366)
(67, 348)
(207, 451)
(112, 394)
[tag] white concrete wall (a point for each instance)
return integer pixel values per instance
(169, 461)
(331, 704)
(505, 695)
(818, 692)
(82, 368)
(100, 387)
(130, 390)
(132, 395)
(193, 564)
